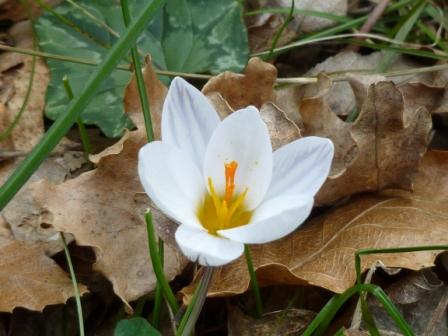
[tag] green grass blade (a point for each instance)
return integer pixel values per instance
(144, 101)
(305, 12)
(333, 30)
(157, 265)
(75, 286)
(403, 29)
(191, 315)
(81, 127)
(326, 315)
(254, 282)
(158, 297)
(61, 126)
(279, 32)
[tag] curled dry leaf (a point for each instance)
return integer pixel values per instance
(381, 149)
(105, 212)
(321, 252)
(254, 87)
(282, 130)
(30, 279)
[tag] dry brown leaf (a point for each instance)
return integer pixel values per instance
(283, 322)
(321, 252)
(254, 87)
(21, 215)
(12, 10)
(341, 98)
(30, 127)
(263, 27)
(381, 149)
(105, 211)
(156, 92)
(282, 130)
(103, 214)
(30, 279)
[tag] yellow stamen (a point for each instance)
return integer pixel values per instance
(217, 213)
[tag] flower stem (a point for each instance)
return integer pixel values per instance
(157, 264)
(75, 286)
(81, 128)
(254, 282)
(159, 295)
(193, 311)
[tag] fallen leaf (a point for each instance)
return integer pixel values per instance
(254, 87)
(381, 149)
(156, 92)
(30, 126)
(321, 252)
(340, 97)
(282, 130)
(421, 297)
(309, 23)
(21, 215)
(284, 322)
(262, 28)
(30, 279)
(12, 10)
(105, 212)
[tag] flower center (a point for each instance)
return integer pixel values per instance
(227, 211)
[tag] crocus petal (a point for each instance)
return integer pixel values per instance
(301, 167)
(188, 120)
(272, 220)
(242, 137)
(171, 180)
(208, 250)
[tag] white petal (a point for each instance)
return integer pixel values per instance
(208, 250)
(188, 120)
(172, 181)
(272, 220)
(242, 137)
(301, 167)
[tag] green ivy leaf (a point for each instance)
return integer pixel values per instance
(136, 326)
(187, 36)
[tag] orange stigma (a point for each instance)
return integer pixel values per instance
(230, 170)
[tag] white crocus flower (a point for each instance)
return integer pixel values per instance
(221, 181)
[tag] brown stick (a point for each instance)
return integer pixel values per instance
(370, 22)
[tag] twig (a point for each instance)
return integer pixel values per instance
(370, 22)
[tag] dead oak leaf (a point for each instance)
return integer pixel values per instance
(30, 279)
(254, 87)
(101, 208)
(156, 92)
(321, 252)
(381, 149)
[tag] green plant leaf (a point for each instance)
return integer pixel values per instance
(186, 36)
(136, 326)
